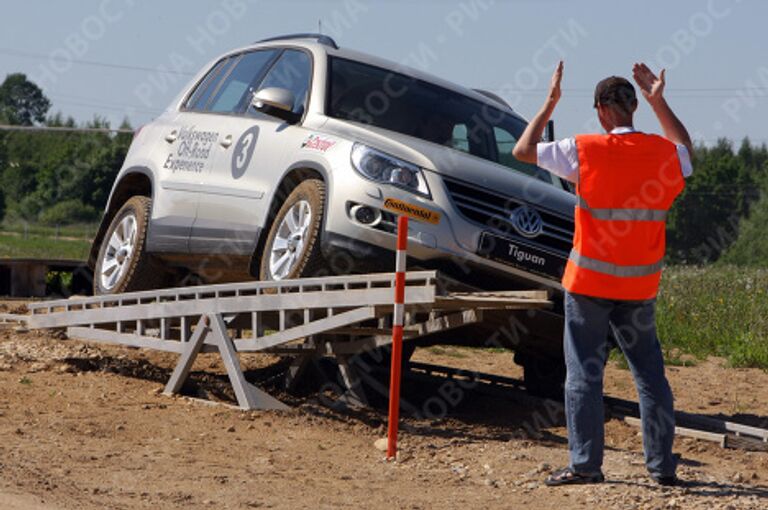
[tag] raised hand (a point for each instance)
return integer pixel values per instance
(525, 148)
(651, 86)
(554, 86)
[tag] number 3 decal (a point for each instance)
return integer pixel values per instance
(241, 157)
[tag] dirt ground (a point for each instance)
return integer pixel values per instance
(85, 427)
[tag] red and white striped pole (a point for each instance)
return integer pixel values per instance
(397, 337)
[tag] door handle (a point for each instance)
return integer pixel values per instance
(172, 136)
(226, 142)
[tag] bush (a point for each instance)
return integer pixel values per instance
(68, 212)
(27, 209)
(751, 247)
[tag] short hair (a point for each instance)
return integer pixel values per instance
(617, 91)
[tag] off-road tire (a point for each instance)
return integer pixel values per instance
(143, 271)
(311, 261)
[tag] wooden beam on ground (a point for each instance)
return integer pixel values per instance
(684, 431)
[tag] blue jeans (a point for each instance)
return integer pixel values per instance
(586, 348)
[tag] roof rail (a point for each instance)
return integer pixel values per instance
(322, 39)
(495, 97)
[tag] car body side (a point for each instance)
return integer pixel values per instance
(450, 243)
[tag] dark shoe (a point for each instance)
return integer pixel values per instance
(567, 476)
(667, 481)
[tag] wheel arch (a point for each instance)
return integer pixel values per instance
(134, 181)
(292, 177)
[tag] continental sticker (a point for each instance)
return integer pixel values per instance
(412, 211)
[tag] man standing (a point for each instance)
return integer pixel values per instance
(626, 182)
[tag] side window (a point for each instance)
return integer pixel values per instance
(236, 85)
(460, 140)
(473, 138)
(505, 142)
(291, 71)
(207, 85)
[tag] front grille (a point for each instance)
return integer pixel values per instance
(493, 211)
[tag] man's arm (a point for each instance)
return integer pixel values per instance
(652, 88)
(525, 148)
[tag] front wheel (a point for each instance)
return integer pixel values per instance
(123, 264)
(292, 248)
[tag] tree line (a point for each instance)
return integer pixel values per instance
(50, 177)
(57, 178)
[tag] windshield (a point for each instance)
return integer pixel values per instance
(389, 100)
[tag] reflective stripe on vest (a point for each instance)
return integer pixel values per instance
(614, 269)
(623, 214)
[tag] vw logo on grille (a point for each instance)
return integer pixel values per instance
(526, 221)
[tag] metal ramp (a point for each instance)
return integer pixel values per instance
(329, 316)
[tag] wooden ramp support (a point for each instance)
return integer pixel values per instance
(336, 316)
(213, 330)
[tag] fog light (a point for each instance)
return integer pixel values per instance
(366, 215)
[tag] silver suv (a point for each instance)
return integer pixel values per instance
(293, 157)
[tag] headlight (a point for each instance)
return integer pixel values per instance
(381, 167)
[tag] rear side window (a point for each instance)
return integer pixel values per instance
(236, 83)
(205, 88)
(291, 71)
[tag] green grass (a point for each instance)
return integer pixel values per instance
(714, 310)
(85, 231)
(16, 246)
(450, 351)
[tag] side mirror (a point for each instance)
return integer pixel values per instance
(276, 102)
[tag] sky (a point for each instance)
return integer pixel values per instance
(130, 58)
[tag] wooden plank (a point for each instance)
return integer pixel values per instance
(107, 336)
(433, 325)
(502, 294)
(13, 318)
(684, 431)
(415, 278)
(319, 326)
(469, 301)
(745, 443)
(262, 302)
(448, 321)
(723, 425)
(369, 331)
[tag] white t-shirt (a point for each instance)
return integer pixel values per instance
(562, 159)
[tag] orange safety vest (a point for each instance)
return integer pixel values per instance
(627, 183)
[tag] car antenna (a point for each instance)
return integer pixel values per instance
(319, 25)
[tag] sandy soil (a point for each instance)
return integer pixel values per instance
(85, 427)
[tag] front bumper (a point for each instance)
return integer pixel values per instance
(451, 244)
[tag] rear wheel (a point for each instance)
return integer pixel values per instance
(292, 248)
(123, 264)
